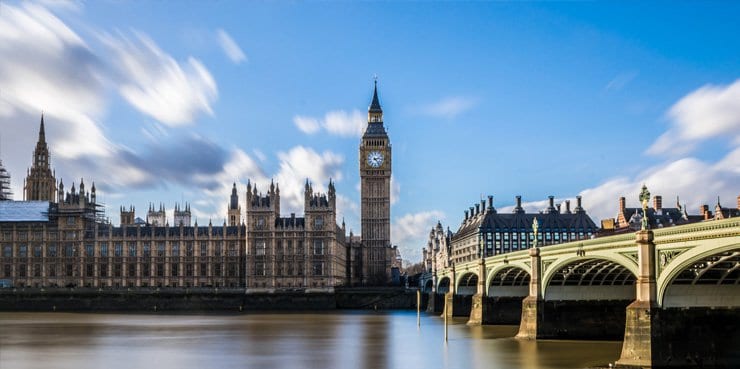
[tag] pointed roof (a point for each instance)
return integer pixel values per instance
(42, 132)
(375, 104)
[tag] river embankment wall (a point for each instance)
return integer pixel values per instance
(203, 300)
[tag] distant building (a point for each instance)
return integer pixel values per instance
(436, 255)
(5, 192)
(486, 232)
(630, 219)
(720, 212)
(40, 184)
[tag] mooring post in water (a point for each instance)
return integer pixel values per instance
(418, 308)
(445, 314)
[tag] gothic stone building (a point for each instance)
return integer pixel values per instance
(486, 232)
(306, 252)
(59, 238)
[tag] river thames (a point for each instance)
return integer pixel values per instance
(262, 340)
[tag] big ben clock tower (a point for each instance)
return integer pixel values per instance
(375, 178)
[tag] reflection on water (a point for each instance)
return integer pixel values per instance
(366, 340)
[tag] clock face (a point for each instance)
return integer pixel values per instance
(375, 159)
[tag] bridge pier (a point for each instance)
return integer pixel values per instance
(533, 304)
(640, 330)
(479, 304)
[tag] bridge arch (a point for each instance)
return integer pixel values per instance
(467, 283)
(428, 286)
(509, 280)
(705, 275)
(443, 286)
(593, 277)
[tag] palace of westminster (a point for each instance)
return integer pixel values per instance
(58, 238)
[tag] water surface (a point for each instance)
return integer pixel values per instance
(362, 340)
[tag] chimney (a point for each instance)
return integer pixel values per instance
(477, 209)
(579, 207)
(657, 202)
(483, 206)
(704, 210)
(472, 211)
(567, 206)
(551, 208)
(490, 202)
(518, 202)
(466, 215)
(558, 207)
(622, 204)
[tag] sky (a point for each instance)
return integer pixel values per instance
(174, 101)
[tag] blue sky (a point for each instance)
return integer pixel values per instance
(174, 101)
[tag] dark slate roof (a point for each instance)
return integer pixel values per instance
(24, 211)
(665, 217)
(375, 105)
(375, 129)
(548, 222)
(295, 222)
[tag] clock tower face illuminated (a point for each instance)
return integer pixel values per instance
(375, 178)
(375, 159)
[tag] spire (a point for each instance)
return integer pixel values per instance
(375, 104)
(42, 132)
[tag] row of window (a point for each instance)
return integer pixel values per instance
(132, 250)
(175, 270)
(260, 247)
(289, 269)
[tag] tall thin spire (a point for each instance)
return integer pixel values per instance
(42, 132)
(375, 104)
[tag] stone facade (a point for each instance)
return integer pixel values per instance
(40, 184)
(292, 252)
(375, 178)
(70, 243)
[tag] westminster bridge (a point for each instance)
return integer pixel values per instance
(672, 294)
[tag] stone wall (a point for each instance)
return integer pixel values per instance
(201, 300)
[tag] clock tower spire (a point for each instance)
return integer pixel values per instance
(375, 178)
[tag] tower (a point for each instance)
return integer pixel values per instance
(40, 184)
(375, 178)
(235, 211)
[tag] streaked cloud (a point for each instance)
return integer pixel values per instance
(448, 107)
(157, 85)
(337, 122)
(301, 163)
(411, 230)
(306, 124)
(230, 47)
(709, 112)
(621, 80)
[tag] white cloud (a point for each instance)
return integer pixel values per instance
(337, 122)
(395, 190)
(448, 107)
(306, 124)
(157, 85)
(46, 66)
(711, 111)
(350, 212)
(260, 155)
(410, 231)
(237, 169)
(230, 47)
(301, 163)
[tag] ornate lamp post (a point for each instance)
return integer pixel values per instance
(644, 198)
